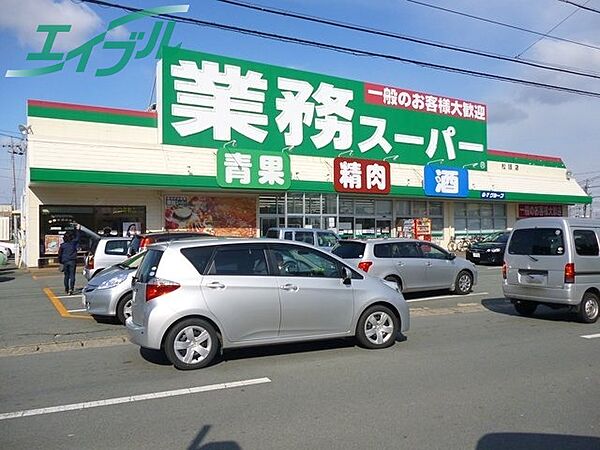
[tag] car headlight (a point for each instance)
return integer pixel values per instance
(114, 281)
(496, 250)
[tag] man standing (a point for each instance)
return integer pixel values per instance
(67, 256)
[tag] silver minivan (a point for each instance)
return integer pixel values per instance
(412, 264)
(554, 261)
(192, 298)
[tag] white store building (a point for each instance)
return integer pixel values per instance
(258, 146)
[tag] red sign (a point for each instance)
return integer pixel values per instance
(526, 210)
(376, 94)
(361, 175)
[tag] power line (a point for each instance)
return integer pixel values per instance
(357, 52)
(587, 8)
(572, 13)
(503, 24)
(377, 32)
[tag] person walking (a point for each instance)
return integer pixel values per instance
(67, 256)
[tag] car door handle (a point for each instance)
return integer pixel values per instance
(289, 287)
(215, 285)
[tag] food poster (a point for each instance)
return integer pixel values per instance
(221, 216)
(52, 243)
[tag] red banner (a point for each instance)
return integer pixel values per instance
(376, 94)
(527, 210)
(361, 175)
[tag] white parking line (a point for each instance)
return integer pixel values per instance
(77, 310)
(446, 296)
(132, 398)
(68, 296)
(591, 336)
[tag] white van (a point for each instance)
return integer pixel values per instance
(324, 239)
(554, 261)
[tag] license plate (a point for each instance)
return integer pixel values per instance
(476, 255)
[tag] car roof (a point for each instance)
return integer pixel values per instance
(381, 240)
(113, 238)
(301, 229)
(175, 233)
(186, 243)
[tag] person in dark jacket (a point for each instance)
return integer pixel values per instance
(67, 256)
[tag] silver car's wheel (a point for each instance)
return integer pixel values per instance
(464, 283)
(588, 310)
(377, 327)
(124, 307)
(191, 344)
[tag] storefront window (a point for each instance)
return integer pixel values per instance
(294, 204)
(364, 207)
(295, 222)
(364, 228)
(383, 207)
(267, 204)
(312, 204)
(329, 204)
(313, 222)
(476, 218)
(419, 209)
(346, 206)
(55, 220)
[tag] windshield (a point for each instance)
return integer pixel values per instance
(497, 237)
(133, 262)
(537, 241)
(349, 249)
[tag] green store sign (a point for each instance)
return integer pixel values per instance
(207, 101)
(253, 169)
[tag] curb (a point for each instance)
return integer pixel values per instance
(50, 347)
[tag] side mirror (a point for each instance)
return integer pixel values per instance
(452, 256)
(346, 276)
(134, 280)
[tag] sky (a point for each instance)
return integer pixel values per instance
(520, 118)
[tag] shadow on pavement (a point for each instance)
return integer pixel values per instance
(4, 279)
(196, 444)
(234, 354)
(110, 320)
(154, 356)
(503, 306)
(286, 349)
(536, 441)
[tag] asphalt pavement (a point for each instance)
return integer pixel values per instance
(469, 374)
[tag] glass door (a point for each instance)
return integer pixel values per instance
(383, 228)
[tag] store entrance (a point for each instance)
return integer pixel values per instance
(383, 228)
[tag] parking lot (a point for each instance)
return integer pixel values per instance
(470, 373)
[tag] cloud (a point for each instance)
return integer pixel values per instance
(500, 112)
(22, 17)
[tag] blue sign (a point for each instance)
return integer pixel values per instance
(492, 195)
(442, 181)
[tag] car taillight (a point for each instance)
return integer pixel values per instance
(365, 265)
(570, 273)
(145, 242)
(90, 262)
(157, 287)
(504, 270)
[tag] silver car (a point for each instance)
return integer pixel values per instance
(105, 252)
(412, 264)
(192, 298)
(109, 293)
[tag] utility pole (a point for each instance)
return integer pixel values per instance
(586, 188)
(12, 157)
